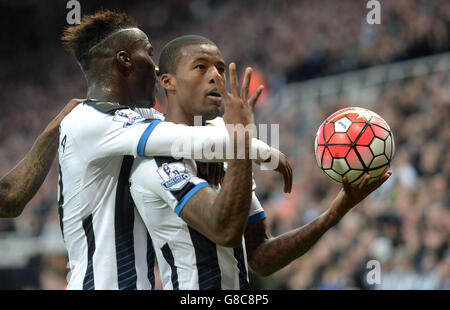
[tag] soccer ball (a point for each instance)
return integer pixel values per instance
(352, 142)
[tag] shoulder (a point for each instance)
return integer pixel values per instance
(104, 107)
(91, 110)
(98, 116)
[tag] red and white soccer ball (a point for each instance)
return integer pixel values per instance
(353, 141)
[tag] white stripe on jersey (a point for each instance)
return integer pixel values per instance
(93, 143)
(150, 113)
(186, 259)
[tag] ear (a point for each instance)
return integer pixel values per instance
(124, 61)
(167, 81)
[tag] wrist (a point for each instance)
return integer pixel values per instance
(332, 217)
(239, 147)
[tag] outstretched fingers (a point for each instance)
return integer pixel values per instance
(345, 184)
(234, 84)
(383, 178)
(364, 185)
(245, 89)
(254, 98)
(365, 180)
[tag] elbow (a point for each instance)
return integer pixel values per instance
(231, 240)
(263, 273)
(10, 207)
(258, 264)
(17, 211)
(234, 242)
(11, 204)
(260, 270)
(9, 211)
(226, 234)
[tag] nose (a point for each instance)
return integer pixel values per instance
(157, 70)
(153, 63)
(213, 73)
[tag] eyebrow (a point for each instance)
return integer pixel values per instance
(145, 41)
(220, 62)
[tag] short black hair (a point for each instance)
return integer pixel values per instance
(93, 29)
(170, 55)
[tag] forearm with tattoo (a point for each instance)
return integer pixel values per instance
(233, 202)
(267, 254)
(21, 183)
(222, 217)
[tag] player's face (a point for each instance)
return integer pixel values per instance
(144, 73)
(195, 87)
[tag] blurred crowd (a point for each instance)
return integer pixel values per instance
(405, 225)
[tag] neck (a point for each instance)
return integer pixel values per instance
(107, 85)
(110, 92)
(175, 114)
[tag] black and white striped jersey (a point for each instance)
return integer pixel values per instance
(107, 243)
(161, 187)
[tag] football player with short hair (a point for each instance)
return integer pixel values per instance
(187, 218)
(107, 243)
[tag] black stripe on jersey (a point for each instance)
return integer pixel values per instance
(124, 224)
(61, 202)
(209, 276)
(239, 255)
(150, 261)
(180, 193)
(168, 256)
(165, 160)
(105, 107)
(88, 282)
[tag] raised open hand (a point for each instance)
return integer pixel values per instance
(238, 105)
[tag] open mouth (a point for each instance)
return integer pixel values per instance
(214, 95)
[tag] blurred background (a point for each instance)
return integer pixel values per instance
(314, 57)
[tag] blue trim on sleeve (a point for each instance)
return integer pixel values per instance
(256, 217)
(188, 196)
(144, 137)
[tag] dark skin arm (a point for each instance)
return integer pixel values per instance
(20, 185)
(221, 217)
(267, 254)
(283, 167)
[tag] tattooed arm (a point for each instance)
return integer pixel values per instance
(222, 217)
(267, 255)
(19, 186)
